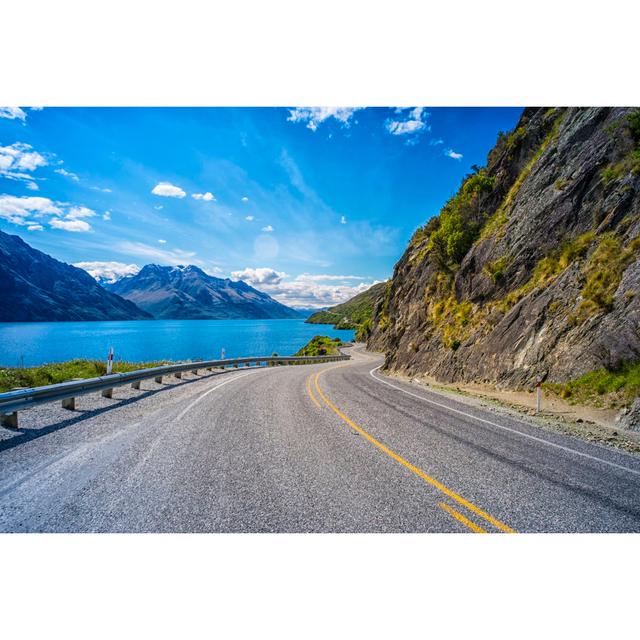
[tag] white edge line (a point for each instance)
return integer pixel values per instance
(499, 426)
(206, 393)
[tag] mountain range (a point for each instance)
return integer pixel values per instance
(34, 287)
(187, 292)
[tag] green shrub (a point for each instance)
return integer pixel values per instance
(602, 387)
(495, 270)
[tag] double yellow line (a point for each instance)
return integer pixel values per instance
(405, 463)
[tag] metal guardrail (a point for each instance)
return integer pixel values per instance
(13, 401)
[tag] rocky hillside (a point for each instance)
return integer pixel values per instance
(35, 287)
(532, 269)
(187, 292)
(354, 313)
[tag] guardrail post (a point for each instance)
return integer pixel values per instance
(235, 366)
(135, 385)
(158, 379)
(69, 403)
(195, 372)
(9, 420)
(107, 393)
(178, 374)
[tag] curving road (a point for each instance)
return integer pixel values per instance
(322, 448)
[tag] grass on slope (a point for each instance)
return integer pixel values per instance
(321, 346)
(14, 377)
(602, 387)
(356, 311)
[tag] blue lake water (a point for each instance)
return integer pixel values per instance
(34, 343)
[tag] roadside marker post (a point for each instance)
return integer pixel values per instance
(110, 361)
(538, 395)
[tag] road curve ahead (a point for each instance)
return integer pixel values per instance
(321, 448)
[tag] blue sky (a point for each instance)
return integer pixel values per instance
(309, 204)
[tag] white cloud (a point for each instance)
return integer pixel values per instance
(103, 189)
(35, 227)
(32, 186)
(249, 218)
(20, 211)
(77, 226)
(306, 290)
(409, 122)
(159, 208)
(323, 277)
(436, 141)
(18, 161)
(314, 116)
(168, 190)
(12, 113)
(208, 196)
(259, 276)
(108, 271)
(450, 153)
(161, 241)
(80, 212)
(244, 199)
(164, 256)
(268, 228)
(343, 220)
(106, 215)
(67, 174)
(16, 210)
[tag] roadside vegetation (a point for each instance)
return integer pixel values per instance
(17, 377)
(321, 346)
(601, 388)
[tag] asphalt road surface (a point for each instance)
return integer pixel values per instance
(335, 447)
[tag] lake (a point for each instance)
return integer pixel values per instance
(34, 343)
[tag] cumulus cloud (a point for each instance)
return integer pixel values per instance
(259, 276)
(450, 153)
(268, 228)
(76, 226)
(161, 241)
(408, 122)
(314, 116)
(13, 113)
(168, 190)
(306, 290)
(75, 213)
(22, 210)
(249, 218)
(108, 271)
(67, 174)
(106, 215)
(244, 199)
(35, 227)
(208, 196)
(18, 162)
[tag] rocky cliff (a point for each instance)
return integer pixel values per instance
(532, 269)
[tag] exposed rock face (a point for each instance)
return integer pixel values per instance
(187, 292)
(549, 285)
(34, 287)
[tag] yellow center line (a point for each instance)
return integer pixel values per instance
(458, 516)
(392, 454)
(310, 392)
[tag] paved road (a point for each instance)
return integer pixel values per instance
(327, 448)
